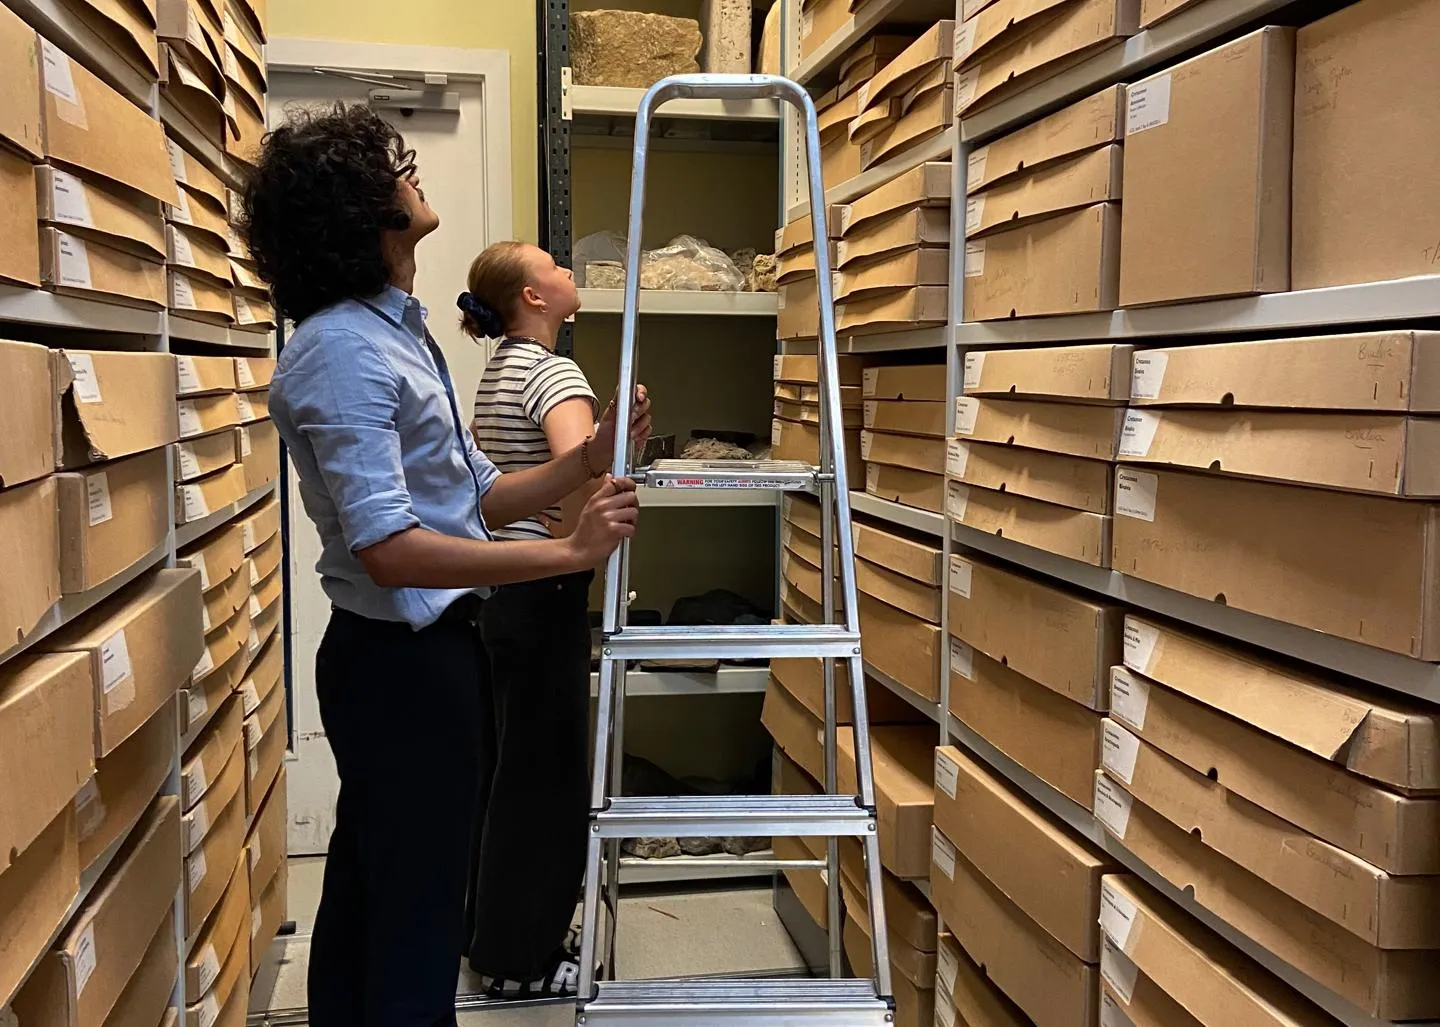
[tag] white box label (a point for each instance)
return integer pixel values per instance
(231, 66)
(244, 374)
(257, 920)
(1140, 642)
(85, 959)
(1147, 374)
(197, 707)
(866, 441)
(962, 572)
(181, 211)
(97, 498)
(1135, 494)
(254, 605)
(247, 409)
(189, 464)
(1118, 969)
(209, 1011)
(962, 659)
(942, 853)
(70, 200)
(74, 261)
(947, 967)
(974, 369)
(195, 505)
(253, 642)
(807, 23)
(177, 161)
(965, 40)
(1111, 1015)
(190, 423)
(196, 827)
(114, 661)
(250, 695)
(59, 79)
(1119, 750)
(205, 666)
(1149, 105)
(1129, 698)
(183, 293)
(197, 562)
(209, 968)
(245, 449)
(975, 165)
(86, 386)
(957, 501)
(975, 259)
(184, 253)
(243, 313)
(974, 215)
(1138, 433)
(195, 870)
(254, 853)
(957, 458)
(944, 1013)
(205, 620)
(967, 412)
(1112, 806)
(966, 83)
(947, 774)
(1117, 915)
(185, 372)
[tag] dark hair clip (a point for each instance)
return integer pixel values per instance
(481, 315)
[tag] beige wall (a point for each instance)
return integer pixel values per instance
(477, 24)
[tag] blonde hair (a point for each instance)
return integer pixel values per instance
(497, 277)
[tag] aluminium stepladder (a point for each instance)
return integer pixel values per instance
(726, 1002)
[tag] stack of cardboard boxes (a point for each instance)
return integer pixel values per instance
(795, 429)
(838, 107)
(903, 444)
(908, 101)
(1036, 466)
(211, 69)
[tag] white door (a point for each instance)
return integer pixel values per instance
(464, 168)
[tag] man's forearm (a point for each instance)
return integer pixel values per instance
(521, 494)
(420, 558)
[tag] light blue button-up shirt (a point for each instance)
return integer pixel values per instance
(367, 410)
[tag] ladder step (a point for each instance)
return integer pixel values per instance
(799, 1002)
(733, 816)
(776, 475)
(731, 642)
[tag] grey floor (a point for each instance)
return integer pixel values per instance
(662, 934)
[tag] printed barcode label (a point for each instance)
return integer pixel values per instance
(97, 498)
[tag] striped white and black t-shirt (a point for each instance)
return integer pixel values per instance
(523, 382)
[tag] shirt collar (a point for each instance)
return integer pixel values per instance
(403, 307)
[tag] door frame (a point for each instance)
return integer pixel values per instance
(490, 68)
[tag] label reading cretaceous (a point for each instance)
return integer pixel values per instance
(86, 385)
(942, 853)
(976, 164)
(962, 659)
(1138, 433)
(1140, 642)
(244, 374)
(1119, 750)
(1135, 493)
(967, 412)
(961, 574)
(69, 199)
(947, 774)
(86, 959)
(1147, 374)
(1129, 698)
(975, 259)
(974, 369)
(957, 500)
(957, 458)
(1112, 806)
(966, 84)
(195, 870)
(974, 216)
(59, 78)
(74, 261)
(1149, 105)
(182, 293)
(1117, 915)
(97, 498)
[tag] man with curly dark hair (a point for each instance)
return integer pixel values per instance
(401, 499)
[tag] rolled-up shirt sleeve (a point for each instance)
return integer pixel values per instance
(344, 396)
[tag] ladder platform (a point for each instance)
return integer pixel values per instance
(731, 642)
(772, 475)
(734, 816)
(797, 1002)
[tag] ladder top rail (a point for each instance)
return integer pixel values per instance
(714, 86)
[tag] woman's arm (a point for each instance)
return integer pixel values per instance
(566, 426)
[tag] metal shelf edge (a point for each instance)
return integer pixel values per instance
(39, 307)
(618, 101)
(905, 516)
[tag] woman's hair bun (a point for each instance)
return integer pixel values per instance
(480, 318)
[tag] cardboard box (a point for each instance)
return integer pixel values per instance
(216, 556)
(904, 768)
(919, 489)
(1367, 371)
(839, 161)
(919, 226)
(47, 752)
(1146, 1004)
(919, 561)
(1068, 264)
(906, 451)
(1207, 977)
(1192, 234)
(207, 109)
(912, 383)
(1384, 911)
(198, 376)
(998, 25)
(1053, 876)
(141, 645)
(1287, 553)
(929, 109)
(259, 448)
(71, 266)
(809, 413)
(208, 868)
(804, 370)
(265, 845)
(799, 309)
(798, 734)
(1396, 833)
(21, 121)
(872, 122)
(910, 919)
(1095, 121)
(810, 886)
(972, 996)
(264, 558)
(228, 783)
(792, 441)
(199, 499)
(191, 32)
(221, 644)
(92, 127)
(1041, 976)
(901, 646)
(1351, 222)
(194, 297)
(253, 373)
(895, 310)
(1154, 11)
(1395, 984)
(202, 415)
(266, 737)
(215, 946)
(96, 209)
(1056, 42)
(932, 48)
(1049, 477)
(253, 313)
(261, 525)
(147, 995)
(30, 552)
(110, 404)
(1387, 454)
(1073, 429)
(124, 784)
(904, 269)
(875, 51)
(203, 220)
(819, 20)
(78, 982)
(1091, 373)
(803, 678)
(27, 418)
(1055, 739)
(205, 696)
(37, 890)
(894, 589)
(1365, 731)
(270, 905)
(1073, 534)
(914, 992)
(1057, 638)
(19, 246)
(207, 756)
(233, 981)
(1066, 185)
(198, 457)
(111, 517)
(225, 600)
(925, 186)
(804, 577)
